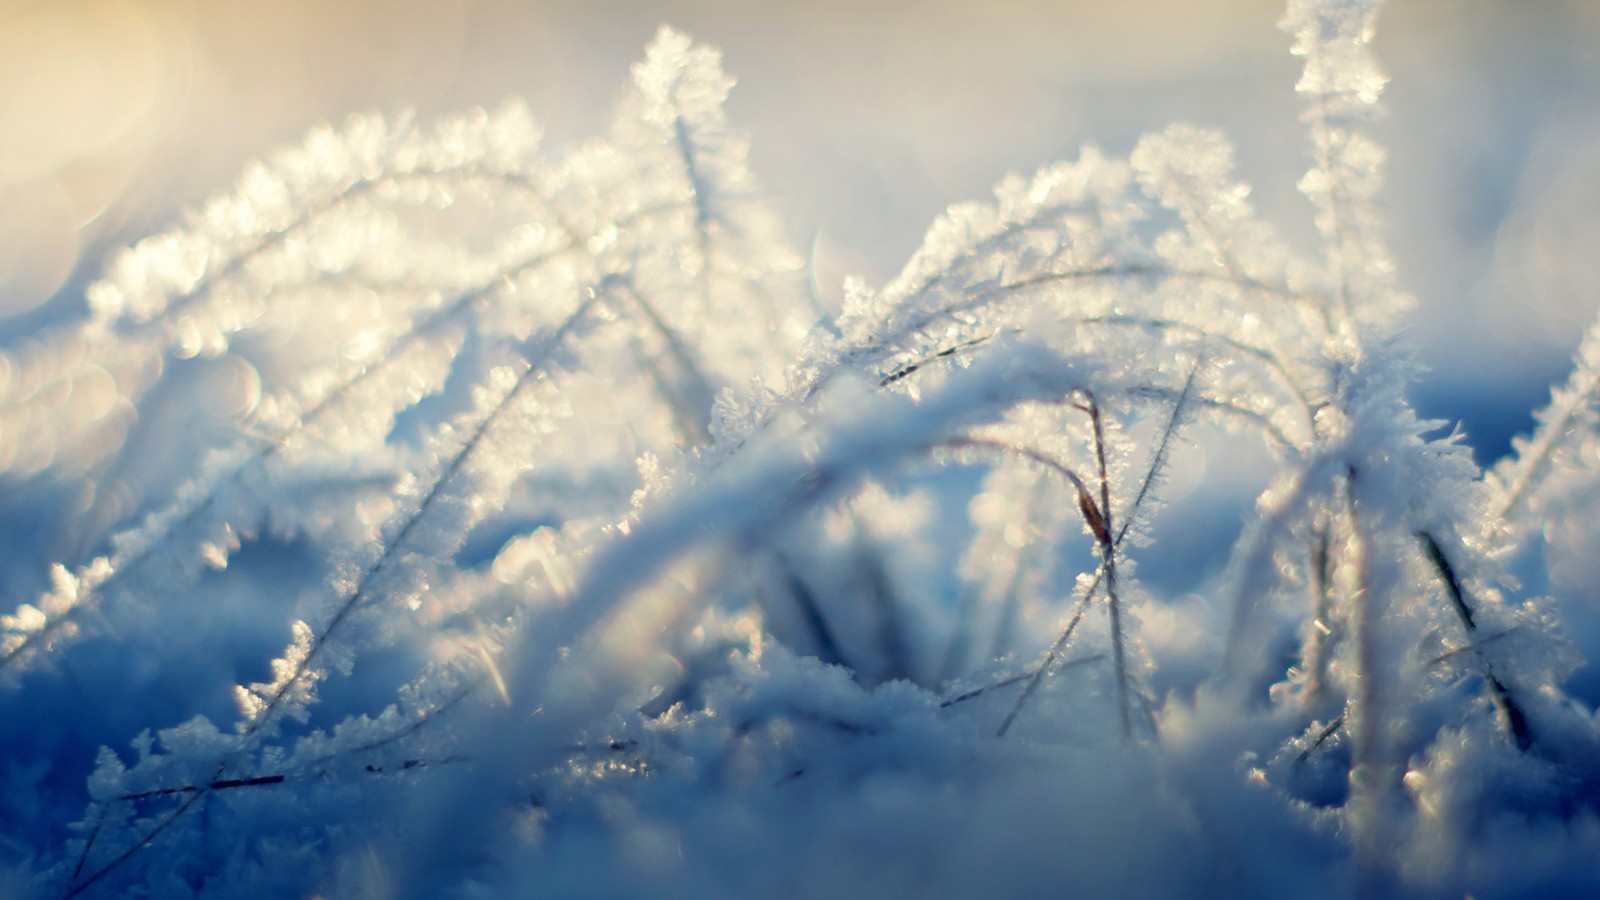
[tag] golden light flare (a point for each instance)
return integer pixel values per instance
(88, 85)
(115, 110)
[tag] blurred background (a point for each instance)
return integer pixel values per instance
(867, 119)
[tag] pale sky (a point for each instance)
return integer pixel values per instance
(866, 119)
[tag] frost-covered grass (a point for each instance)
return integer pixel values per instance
(452, 518)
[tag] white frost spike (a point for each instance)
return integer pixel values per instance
(1190, 170)
(1341, 84)
(680, 79)
(33, 628)
(291, 690)
(1335, 37)
(1566, 440)
(723, 256)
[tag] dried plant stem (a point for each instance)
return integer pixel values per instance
(1158, 460)
(702, 207)
(691, 412)
(1320, 637)
(911, 368)
(1534, 462)
(1087, 506)
(1324, 134)
(976, 299)
(1374, 779)
(1511, 714)
(189, 802)
(827, 646)
(1050, 657)
(360, 595)
(1027, 675)
(270, 445)
(1272, 360)
(308, 215)
(1096, 515)
(1108, 557)
(1323, 733)
(1163, 449)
